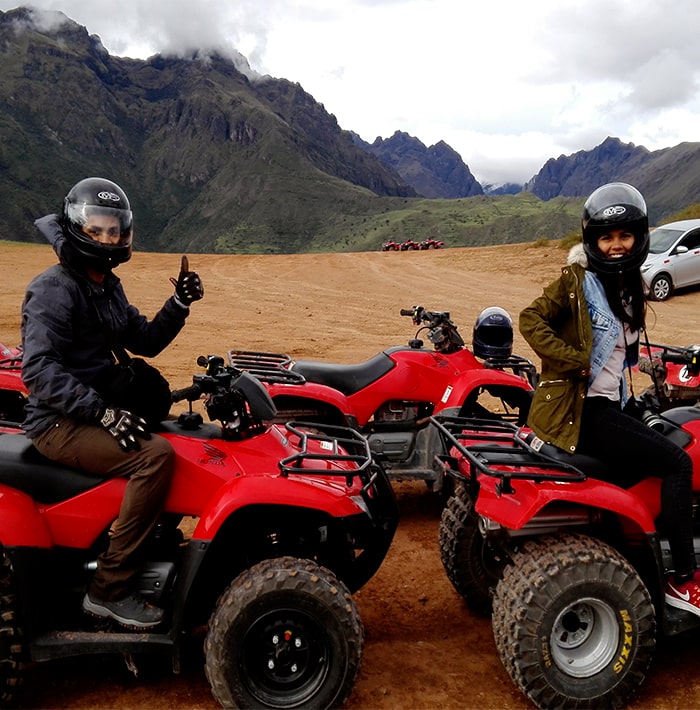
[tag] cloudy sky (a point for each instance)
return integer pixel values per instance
(508, 84)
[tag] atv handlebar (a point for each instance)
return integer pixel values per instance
(442, 332)
(235, 398)
(689, 356)
(191, 394)
(433, 318)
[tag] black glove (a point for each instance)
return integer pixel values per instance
(188, 285)
(124, 427)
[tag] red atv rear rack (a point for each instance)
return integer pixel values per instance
(497, 449)
(267, 367)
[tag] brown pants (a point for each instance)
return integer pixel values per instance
(150, 469)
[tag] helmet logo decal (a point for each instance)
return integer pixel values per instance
(105, 195)
(613, 211)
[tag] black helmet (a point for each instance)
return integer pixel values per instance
(615, 206)
(493, 334)
(96, 198)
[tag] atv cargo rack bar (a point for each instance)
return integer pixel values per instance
(496, 448)
(520, 366)
(332, 444)
(267, 367)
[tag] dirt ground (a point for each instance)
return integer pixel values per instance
(424, 649)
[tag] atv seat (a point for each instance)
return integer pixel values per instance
(591, 466)
(24, 468)
(347, 379)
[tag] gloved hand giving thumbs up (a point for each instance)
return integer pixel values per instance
(188, 285)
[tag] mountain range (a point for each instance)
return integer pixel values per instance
(215, 160)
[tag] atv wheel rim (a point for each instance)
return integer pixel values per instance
(286, 657)
(584, 638)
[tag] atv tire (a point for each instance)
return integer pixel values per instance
(574, 624)
(285, 634)
(472, 565)
(11, 646)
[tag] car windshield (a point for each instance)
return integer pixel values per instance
(662, 239)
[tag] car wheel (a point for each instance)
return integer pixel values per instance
(285, 634)
(661, 287)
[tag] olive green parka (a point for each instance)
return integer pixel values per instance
(558, 328)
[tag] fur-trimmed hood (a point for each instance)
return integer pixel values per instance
(577, 256)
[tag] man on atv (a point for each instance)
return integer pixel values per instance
(75, 319)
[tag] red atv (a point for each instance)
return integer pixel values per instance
(572, 567)
(409, 245)
(431, 243)
(13, 394)
(266, 532)
(390, 397)
(675, 374)
(391, 245)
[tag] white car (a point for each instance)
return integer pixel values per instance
(673, 260)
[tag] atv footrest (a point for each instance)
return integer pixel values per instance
(62, 644)
(267, 367)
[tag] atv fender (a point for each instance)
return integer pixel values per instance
(460, 388)
(515, 511)
(312, 391)
(331, 500)
(21, 524)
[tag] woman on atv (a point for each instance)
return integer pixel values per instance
(75, 315)
(585, 327)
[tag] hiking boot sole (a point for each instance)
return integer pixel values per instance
(102, 612)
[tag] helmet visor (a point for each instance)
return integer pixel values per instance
(496, 335)
(106, 225)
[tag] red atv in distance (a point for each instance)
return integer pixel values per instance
(390, 397)
(266, 531)
(431, 243)
(391, 245)
(409, 245)
(572, 567)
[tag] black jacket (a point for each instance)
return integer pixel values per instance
(65, 347)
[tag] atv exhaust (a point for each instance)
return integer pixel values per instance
(546, 522)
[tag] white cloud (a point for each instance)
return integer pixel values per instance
(508, 85)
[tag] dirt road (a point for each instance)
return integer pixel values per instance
(424, 649)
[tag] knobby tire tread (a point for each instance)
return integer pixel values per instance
(460, 541)
(286, 574)
(543, 568)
